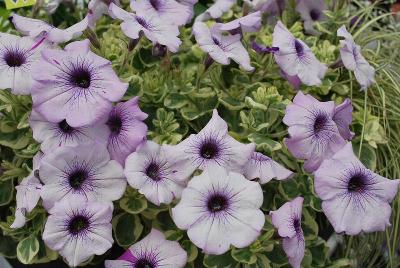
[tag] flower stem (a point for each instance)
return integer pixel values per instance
(364, 120)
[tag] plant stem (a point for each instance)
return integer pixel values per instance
(364, 120)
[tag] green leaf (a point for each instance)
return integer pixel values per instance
(219, 261)
(190, 249)
(127, 229)
(133, 204)
(262, 261)
(6, 192)
(264, 142)
(244, 255)
(7, 246)
(27, 249)
(310, 226)
(368, 155)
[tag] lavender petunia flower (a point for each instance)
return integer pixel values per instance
(221, 48)
(250, 23)
(54, 135)
(219, 209)
(314, 135)
(79, 229)
(152, 27)
(40, 29)
(152, 251)
(216, 10)
(213, 146)
(264, 168)
(343, 117)
(295, 58)
(157, 174)
(84, 170)
(287, 219)
(270, 7)
(353, 60)
(311, 11)
(127, 129)
(98, 8)
(169, 11)
(354, 199)
(17, 55)
(76, 85)
(28, 194)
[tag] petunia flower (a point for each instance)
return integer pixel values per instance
(314, 134)
(264, 168)
(221, 48)
(250, 23)
(151, 252)
(17, 56)
(39, 29)
(152, 27)
(354, 199)
(169, 11)
(79, 229)
(311, 11)
(216, 10)
(213, 146)
(270, 7)
(125, 123)
(98, 8)
(353, 60)
(28, 194)
(343, 117)
(219, 209)
(157, 175)
(295, 58)
(54, 135)
(287, 219)
(84, 170)
(76, 85)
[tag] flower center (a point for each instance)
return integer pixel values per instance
(297, 225)
(78, 224)
(77, 178)
(216, 41)
(209, 150)
(320, 123)
(142, 22)
(81, 77)
(356, 183)
(144, 263)
(153, 171)
(299, 48)
(217, 202)
(64, 127)
(315, 14)
(14, 58)
(156, 4)
(114, 123)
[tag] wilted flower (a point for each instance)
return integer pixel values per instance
(220, 208)
(85, 170)
(354, 199)
(353, 60)
(17, 55)
(40, 29)
(295, 58)
(79, 229)
(216, 10)
(152, 27)
(221, 48)
(97, 8)
(54, 135)
(343, 117)
(213, 146)
(250, 23)
(264, 168)
(76, 85)
(314, 134)
(151, 252)
(28, 194)
(157, 174)
(287, 219)
(311, 11)
(127, 129)
(270, 7)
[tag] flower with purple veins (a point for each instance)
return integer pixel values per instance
(159, 175)
(78, 229)
(295, 58)
(216, 10)
(84, 170)
(314, 134)
(127, 129)
(354, 199)
(353, 60)
(38, 29)
(213, 146)
(151, 26)
(311, 11)
(265, 169)
(76, 85)
(343, 117)
(287, 219)
(249, 24)
(221, 48)
(219, 209)
(54, 135)
(17, 56)
(151, 252)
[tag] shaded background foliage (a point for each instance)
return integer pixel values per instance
(179, 95)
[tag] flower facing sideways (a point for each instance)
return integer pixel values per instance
(249, 24)
(83, 170)
(79, 229)
(151, 252)
(76, 85)
(287, 219)
(354, 199)
(343, 117)
(219, 209)
(311, 11)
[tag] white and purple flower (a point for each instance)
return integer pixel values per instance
(219, 209)
(311, 11)
(98, 8)
(151, 252)
(354, 199)
(247, 24)
(216, 10)
(343, 117)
